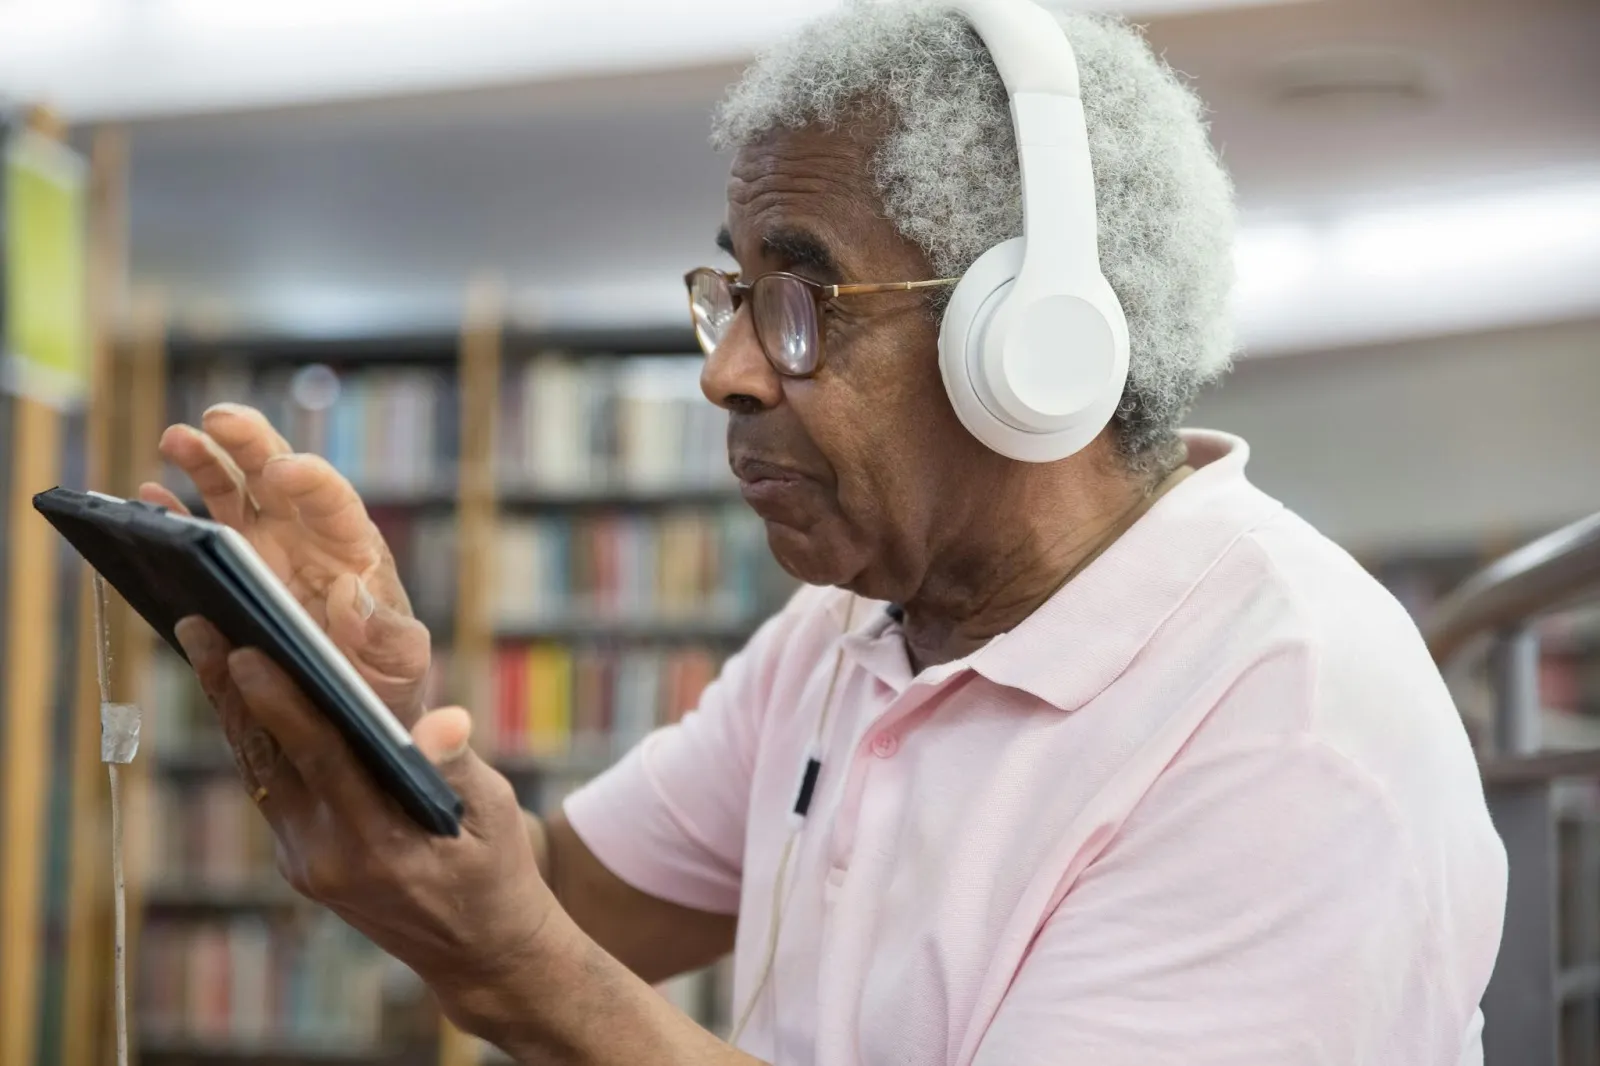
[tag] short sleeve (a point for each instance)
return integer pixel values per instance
(1260, 908)
(669, 818)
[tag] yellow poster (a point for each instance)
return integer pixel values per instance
(45, 353)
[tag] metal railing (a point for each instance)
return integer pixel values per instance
(1522, 1006)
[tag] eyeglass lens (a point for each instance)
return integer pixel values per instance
(785, 318)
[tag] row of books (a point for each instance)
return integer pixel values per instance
(592, 701)
(689, 563)
(392, 429)
(203, 832)
(565, 425)
(642, 423)
(553, 699)
(308, 983)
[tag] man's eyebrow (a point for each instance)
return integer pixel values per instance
(725, 241)
(801, 250)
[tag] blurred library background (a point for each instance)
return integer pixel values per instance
(442, 243)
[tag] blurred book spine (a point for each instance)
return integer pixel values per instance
(246, 982)
(681, 565)
(203, 833)
(594, 702)
(388, 428)
(566, 425)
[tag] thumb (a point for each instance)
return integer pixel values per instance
(442, 735)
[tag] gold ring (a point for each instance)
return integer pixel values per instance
(259, 794)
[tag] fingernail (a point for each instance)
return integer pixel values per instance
(226, 408)
(245, 665)
(364, 601)
(194, 636)
(452, 754)
(280, 458)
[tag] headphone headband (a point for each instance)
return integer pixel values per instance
(1034, 345)
(1025, 42)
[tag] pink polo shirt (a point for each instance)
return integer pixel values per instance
(1210, 804)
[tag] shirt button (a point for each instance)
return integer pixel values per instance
(884, 745)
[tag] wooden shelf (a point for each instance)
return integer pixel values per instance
(428, 347)
(258, 894)
(272, 1050)
(552, 765)
(207, 760)
(514, 499)
(642, 630)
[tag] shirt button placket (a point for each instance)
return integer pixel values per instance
(884, 745)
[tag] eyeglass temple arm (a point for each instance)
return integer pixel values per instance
(871, 288)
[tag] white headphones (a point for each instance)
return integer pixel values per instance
(1034, 345)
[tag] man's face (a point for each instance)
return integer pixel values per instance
(862, 471)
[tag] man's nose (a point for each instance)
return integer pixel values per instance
(736, 376)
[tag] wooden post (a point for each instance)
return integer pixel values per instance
(85, 1015)
(24, 731)
(28, 690)
(473, 643)
(143, 384)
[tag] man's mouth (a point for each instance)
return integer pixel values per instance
(772, 490)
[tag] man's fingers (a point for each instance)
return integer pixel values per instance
(390, 649)
(259, 759)
(250, 440)
(312, 745)
(208, 651)
(442, 735)
(161, 496)
(213, 471)
(329, 505)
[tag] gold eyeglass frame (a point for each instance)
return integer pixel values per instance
(820, 294)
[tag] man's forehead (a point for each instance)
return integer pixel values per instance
(791, 190)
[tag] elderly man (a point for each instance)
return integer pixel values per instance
(1082, 751)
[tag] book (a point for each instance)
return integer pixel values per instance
(565, 424)
(554, 700)
(675, 565)
(309, 983)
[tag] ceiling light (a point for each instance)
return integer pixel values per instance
(1351, 74)
(1479, 234)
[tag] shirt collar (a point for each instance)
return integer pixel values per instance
(1084, 636)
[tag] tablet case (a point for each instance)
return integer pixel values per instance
(169, 568)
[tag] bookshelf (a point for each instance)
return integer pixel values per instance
(61, 261)
(560, 509)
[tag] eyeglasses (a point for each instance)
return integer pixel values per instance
(787, 310)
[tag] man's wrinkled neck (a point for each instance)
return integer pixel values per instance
(1021, 553)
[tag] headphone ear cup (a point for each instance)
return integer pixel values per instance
(1034, 376)
(962, 334)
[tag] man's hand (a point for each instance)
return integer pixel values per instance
(470, 914)
(309, 525)
(463, 912)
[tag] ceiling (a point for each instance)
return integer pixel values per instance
(98, 59)
(1455, 144)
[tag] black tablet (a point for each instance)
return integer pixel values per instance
(170, 566)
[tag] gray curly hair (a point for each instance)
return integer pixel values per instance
(947, 173)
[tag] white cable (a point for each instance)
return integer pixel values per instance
(772, 940)
(120, 895)
(779, 896)
(119, 741)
